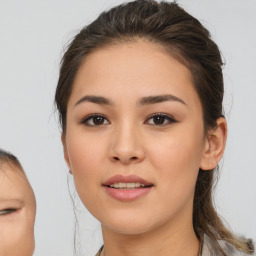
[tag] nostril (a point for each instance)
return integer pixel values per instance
(131, 158)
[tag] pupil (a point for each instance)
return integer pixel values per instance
(159, 119)
(98, 120)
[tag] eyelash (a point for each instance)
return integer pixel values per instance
(168, 118)
(91, 117)
(88, 118)
(7, 211)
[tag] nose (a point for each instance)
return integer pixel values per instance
(127, 146)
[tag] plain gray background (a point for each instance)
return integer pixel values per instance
(33, 35)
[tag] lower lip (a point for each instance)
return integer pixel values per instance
(127, 195)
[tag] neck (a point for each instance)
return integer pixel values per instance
(175, 240)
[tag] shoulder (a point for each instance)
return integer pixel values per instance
(231, 250)
(210, 250)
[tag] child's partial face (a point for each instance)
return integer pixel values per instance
(17, 212)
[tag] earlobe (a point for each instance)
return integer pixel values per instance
(66, 156)
(214, 145)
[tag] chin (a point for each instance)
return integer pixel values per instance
(127, 229)
(128, 225)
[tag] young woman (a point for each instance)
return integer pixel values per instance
(17, 209)
(140, 102)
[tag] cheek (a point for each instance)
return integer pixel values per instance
(87, 155)
(177, 156)
(176, 159)
(17, 238)
(85, 152)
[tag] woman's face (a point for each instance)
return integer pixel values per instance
(17, 212)
(135, 138)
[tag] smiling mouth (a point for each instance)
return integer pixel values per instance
(127, 188)
(129, 185)
(127, 182)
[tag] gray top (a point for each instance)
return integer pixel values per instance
(209, 250)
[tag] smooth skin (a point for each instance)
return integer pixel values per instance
(17, 212)
(148, 122)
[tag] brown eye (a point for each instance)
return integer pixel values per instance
(98, 120)
(160, 120)
(95, 120)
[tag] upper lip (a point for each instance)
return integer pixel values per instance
(126, 179)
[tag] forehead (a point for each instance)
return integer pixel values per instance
(127, 57)
(9, 168)
(13, 182)
(139, 66)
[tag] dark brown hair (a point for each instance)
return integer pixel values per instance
(184, 37)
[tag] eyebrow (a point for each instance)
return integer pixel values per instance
(143, 101)
(159, 98)
(94, 99)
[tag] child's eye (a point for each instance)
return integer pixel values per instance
(160, 119)
(7, 211)
(95, 120)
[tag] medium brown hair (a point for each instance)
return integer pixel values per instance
(184, 37)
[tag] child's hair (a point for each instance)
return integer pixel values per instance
(184, 38)
(7, 157)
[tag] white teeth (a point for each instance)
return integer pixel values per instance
(122, 185)
(129, 185)
(116, 185)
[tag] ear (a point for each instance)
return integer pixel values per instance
(214, 145)
(65, 151)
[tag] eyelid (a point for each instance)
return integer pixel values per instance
(7, 211)
(170, 118)
(88, 117)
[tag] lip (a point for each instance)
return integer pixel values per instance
(127, 195)
(126, 179)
